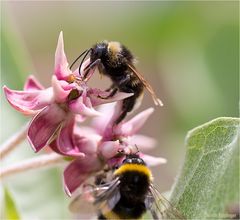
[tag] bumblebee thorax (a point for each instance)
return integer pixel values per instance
(114, 48)
(134, 168)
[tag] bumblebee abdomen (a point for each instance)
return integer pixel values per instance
(125, 211)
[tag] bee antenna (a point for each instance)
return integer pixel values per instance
(87, 52)
(137, 149)
(78, 58)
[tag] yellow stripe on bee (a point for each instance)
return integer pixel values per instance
(114, 47)
(128, 167)
(111, 215)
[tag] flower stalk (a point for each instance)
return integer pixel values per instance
(11, 143)
(33, 163)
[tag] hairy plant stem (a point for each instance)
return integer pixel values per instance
(33, 163)
(11, 143)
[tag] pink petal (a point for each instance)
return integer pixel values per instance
(99, 123)
(53, 146)
(71, 152)
(45, 125)
(60, 95)
(65, 137)
(104, 124)
(96, 100)
(153, 161)
(87, 145)
(78, 171)
(32, 84)
(61, 70)
(132, 126)
(144, 143)
(108, 149)
(75, 144)
(89, 134)
(85, 130)
(65, 141)
(115, 161)
(80, 118)
(30, 101)
(78, 106)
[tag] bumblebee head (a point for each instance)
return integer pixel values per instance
(133, 159)
(99, 51)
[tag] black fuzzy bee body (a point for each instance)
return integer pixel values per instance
(129, 195)
(134, 182)
(117, 62)
(114, 63)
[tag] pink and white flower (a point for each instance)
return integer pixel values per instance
(57, 112)
(104, 143)
(124, 136)
(54, 108)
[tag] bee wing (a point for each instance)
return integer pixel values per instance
(146, 84)
(83, 200)
(108, 198)
(95, 198)
(160, 207)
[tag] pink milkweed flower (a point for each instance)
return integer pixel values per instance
(54, 108)
(72, 140)
(102, 143)
(124, 136)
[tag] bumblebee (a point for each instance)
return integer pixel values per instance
(117, 62)
(129, 195)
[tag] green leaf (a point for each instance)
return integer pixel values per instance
(39, 194)
(209, 182)
(11, 211)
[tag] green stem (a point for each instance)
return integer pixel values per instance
(11, 143)
(33, 163)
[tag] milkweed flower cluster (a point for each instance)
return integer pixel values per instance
(57, 115)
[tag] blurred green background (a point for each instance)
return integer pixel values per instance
(189, 51)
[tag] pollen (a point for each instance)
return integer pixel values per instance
(71, 78)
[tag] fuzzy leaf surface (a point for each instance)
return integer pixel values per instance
(209, 181)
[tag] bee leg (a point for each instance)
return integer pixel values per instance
(101, 216)
(115, 89)
(127, 106)
(110, 88)
(100, 179)
(121, 117)
(124, 80)
(113, 92)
